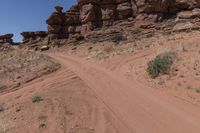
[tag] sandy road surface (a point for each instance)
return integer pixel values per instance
(137, 107)
(83, 97)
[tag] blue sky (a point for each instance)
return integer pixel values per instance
(17, 16)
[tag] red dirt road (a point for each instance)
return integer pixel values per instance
(137, 107)
(83, 97)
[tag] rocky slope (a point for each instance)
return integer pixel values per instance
(21, 66)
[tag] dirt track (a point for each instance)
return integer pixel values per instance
(83, 97)
(138, 107)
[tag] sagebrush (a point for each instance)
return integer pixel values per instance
(36, 99)
(161, 64)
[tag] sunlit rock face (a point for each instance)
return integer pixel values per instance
(87, 15)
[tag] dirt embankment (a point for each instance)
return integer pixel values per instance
(20, 66)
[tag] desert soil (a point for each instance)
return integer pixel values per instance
(111, 96)
(18, 67)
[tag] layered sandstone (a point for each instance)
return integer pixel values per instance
(31, 36)
(89, 15)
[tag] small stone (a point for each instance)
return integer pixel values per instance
(18, 109)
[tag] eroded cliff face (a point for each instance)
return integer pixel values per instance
(89, 15)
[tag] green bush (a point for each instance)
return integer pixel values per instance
(161, 64)
(118, 38)
(36, 99)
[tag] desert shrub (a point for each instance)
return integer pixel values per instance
(136, 31)
(36, 99)
(171, 23)
(118, 38)
(161, 64)
(1, 108)
(197, 90)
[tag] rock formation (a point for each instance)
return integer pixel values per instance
(6, 41)
(7, 38)
(88, 15)
(56, 23)
(31, 36)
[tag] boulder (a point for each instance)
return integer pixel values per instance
(185, 26)
(195, 13)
